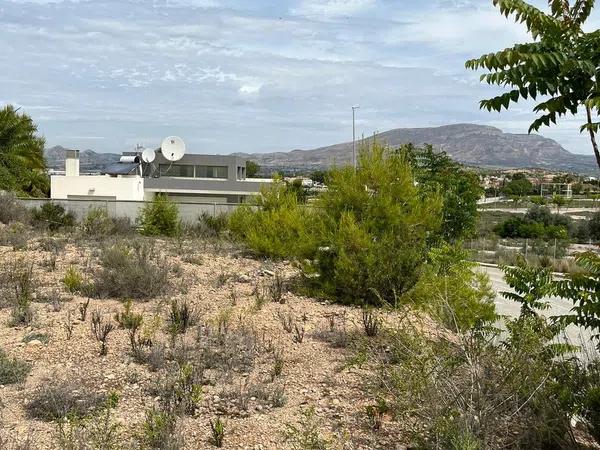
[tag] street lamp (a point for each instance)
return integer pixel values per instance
(354, 108)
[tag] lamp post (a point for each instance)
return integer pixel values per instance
(354, 108)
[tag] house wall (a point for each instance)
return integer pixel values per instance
(97, 186)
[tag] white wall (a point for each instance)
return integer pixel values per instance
(121, 188)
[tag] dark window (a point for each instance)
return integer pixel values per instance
(211, 171)
(176, 170)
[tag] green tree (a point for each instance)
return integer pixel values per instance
(562, 64)
(518, 187)
(559, 201)
(252, 169)
(459, 187)
(319, 176)
(22, 164)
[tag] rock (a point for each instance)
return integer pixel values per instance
(336, 401)
(35, 343)
(244, 279)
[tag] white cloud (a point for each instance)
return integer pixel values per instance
(332, 8)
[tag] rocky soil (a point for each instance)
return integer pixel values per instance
(231, 298)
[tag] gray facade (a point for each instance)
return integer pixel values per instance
(200, 178)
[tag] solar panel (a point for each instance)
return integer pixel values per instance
(121, 168)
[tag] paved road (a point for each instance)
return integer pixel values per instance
(558, 306)
(563, 210)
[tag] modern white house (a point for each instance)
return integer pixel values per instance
(189, 179)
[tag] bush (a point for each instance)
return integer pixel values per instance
(12, 210)
(131, 271)
(275, 224)
(478, 389)
(366, 237)
(375, 228)
(159, 431)
(73, 280)
(54, 400)
(452, 292)
(53, 217)
(213, 225)
(97, 223)
(12, 370)
(17, 286)
(160, 218)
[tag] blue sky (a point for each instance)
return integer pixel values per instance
(251, 75)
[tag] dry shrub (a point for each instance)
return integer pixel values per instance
(133, 271)
(57, 399)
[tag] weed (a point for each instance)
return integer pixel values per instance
(83, 307)
(298, 335)
(181, 317)
(68, 326)
(73, 280)
(101, 331)
(12, 210)
(276, 288)
(306, 435)
(132, 322)
(375, 414)
(21, 286)
(12, 370)
(217, 428)
(371, 322)
(260, 297)
(181, 390)
(277, 369)
(159, 431)
(287, 321)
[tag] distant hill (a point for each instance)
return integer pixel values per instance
(89, 160)
(474, 145)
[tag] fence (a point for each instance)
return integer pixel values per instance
(188, 212)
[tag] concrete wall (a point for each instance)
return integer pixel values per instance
(188, 212)
(128, 188)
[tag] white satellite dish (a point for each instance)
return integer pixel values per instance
(173, 148)
(148, 155)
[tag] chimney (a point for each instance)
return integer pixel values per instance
(72, 163)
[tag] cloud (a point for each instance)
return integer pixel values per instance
(332, 8)
(233, 75)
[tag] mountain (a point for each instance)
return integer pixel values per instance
(473, 145)
(89, 160)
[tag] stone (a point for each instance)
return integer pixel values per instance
(35, 343)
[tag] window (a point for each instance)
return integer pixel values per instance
(176, 170)
(211, 171)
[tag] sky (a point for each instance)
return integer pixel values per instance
(253, 75)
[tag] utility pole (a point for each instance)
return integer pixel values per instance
(354, 108)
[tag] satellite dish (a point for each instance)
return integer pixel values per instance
(173, 148)
(148, 155)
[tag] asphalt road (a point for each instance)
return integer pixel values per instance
(558, 306)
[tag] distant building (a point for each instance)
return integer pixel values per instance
(193, 178)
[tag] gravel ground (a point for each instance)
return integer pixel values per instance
(212, 280)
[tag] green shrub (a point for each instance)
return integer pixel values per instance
(73, 280)
(159, 431)
(12, 370)
(375, 228)
(366, 237)
(452, 292)
(53, 217)
(15, 235)
(306, 435)
(160, 217)
(275, 224)
(131, 270)
(217, 428)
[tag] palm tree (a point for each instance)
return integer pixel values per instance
(22, 163)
